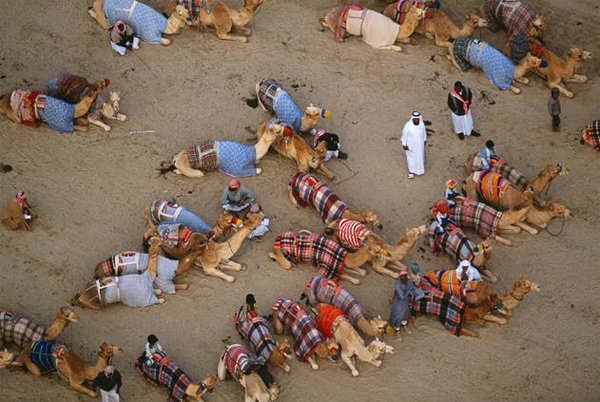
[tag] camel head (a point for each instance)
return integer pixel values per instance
(323, 21)
(481, 292)
(475, 21)
(6, 358)
(256, 389)
(314, 113)
(252, 5)
(579, 54)
(274, 130)
(107, 351)
(154, 243)
(181, 13)
(413, 234)
(67, 313)
(530, 62)
(524, 286)
(538, 27)
(376, 250)
(284, 347)
(321, 350)
(559, 210)
(485, 248)
(551, 172)
(379, 348)
(253, 220)
(370, 217)
(378, 324)
(416, 12)
(225, 220)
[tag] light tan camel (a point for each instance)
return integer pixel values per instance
(409, 25)
(218, 15)
(521, 288)
(483, 312)
(442, 29)
(541, 216)
(73, 368)
(175, 23)
(397, 253)
(217, 254)
(297, 149)
(109, 109)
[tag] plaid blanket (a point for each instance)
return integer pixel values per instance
(22, 104)
(352, 234)
(476, 215)
(455, 243)
(516, 17)
(327, 317)
(147, 23)
(235, 159)
(44, 355)
(321, 290)
(258, 334)
(68, 87)
(19, 330)
(449, 309)
(300, 324)
(193, 6)
(237, 360)
(56, 113)
(446, 281)
(203, 156)
(308, 190)
(490, 185)
(164, 372)
(460, 50)
(402, 7)
(591, 134)
(278, 101)
(511, 174)
(306, 246)
(496, 66)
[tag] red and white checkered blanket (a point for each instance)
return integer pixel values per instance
(322, 290)
(302, 327)
(308, 190)
(454, 242)
(203, 156)
(448, 308)
(352, 234)
(164, 372)
(256, 330)
(591, 134)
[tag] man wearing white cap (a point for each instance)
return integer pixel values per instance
(109, 381)
(413, 140)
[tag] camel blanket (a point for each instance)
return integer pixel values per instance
(591, 134)
(454, 242)
(322, 290)
(132, 290)
(134, 263)
(497, 67)
(235, 159)
(327, 317)
(147, 23)
(402, 7)
(308, 190)
(300, 324)
(22, 104)
(376, 29)
(501, 166)
(446, 281)
(203, 156)
(491, 186)
(238, 360)
(278, 101)
(19, 330)
(306, 246)
(258, 334)
(56, 113)
(449, 309)
(476, 215)
(164, 372)
(352, 234)
(44, 354)
(169, 234)
(68, 87)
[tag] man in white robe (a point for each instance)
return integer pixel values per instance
(459, 102)
(413, 140)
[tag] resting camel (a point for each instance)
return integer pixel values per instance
(483, 312)
(397, 253)
(225, 156)
(45, 356)
(21, 331)
(540, 216)
(217, 255)
(441, 28)
(322, 290)
(297, 149)
(147, 23)
(334, 261)
(29, 107)
(6, 359)
(521, 288)
(259, 385)
(559, 70)
(305, 189)
(218, 15)
(333, 323)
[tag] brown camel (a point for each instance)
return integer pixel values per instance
(296, 148)
(397, 253)
(217, 255)
(483, 312)
(441, 28)
(541, 216)
(218, 15)
(521, 288)
(72, 367)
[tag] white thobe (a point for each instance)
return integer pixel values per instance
(414, 137)
(110, 396)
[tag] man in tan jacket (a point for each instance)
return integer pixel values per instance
(18, 214)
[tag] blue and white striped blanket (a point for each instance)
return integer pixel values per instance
(236, 159)
(57, 114)
(496, 66)
(147, 23)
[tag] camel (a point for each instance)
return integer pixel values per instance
(297, 149)
(29, 108)
(305, 189)
(108, 109)
(6, 359)
(259, 385)
(218, 15)
(376, 30)
(481, 313)
(21, 331)
(147, 23)
(334, 324)
(55, 357)
(441, 29)
(211, 155)
(541, 216)
(397, 253)
(217, 254)
(465, 53)
(559, 70)
(521, 288)
(333, 261)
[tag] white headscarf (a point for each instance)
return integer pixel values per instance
(417, 115)
(471, 271)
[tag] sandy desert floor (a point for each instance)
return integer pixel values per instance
(90, 189)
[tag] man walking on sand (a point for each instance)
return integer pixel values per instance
(554, 109)
(414, 138)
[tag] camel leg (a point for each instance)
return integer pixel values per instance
(280, 259)
(225, 35)
(183, 166)
(350, 279)
(118, 116)
(325, 170)
(277, 326)
(577, 78)
(182, 286)
(81, 127)
(245, 31)
(219, 274)
(504, 241)
(515, 90)
(450, 56)
(165, 41)
(470, 332)
(563, 90)
(346, 359)
(358, 271)
(527, 228)
(442, 43)
(492, 318)
(284, 367)
(510, 229)
(522, 80)
(230, 265)
(97, 12)
(382, 270)
(7, 110)
(258, 170)
(397, 265)
(291, 197)
(313, 363)
(33, 369)
(100, 124)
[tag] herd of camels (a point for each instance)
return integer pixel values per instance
(505, 202)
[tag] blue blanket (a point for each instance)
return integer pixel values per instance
(236, 159)
(147, 23)
(286, 109)
(43, 355)
(496, 66)
(58, 114)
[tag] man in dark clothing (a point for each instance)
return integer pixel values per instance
(554, 109)
(109, 381)
(459, 102)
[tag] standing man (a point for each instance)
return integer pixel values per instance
(554, 109)
(459, 102)
(413, 140)
(109, 381)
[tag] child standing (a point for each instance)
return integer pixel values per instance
(554, 109)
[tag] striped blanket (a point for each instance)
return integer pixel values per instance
(491, 186)
(125, 263)
(476, 215)
(327, 317)
(507, 171)
(352, 234)
(203, 156)
(300, 324)
(147, 23)
(56, 113)
(238, 360)
(446, 281)
(454, 242)
(449, 309)
(306, 246)
(322, 290)
(44, 354)
(258, 334)
(235, 159)
(496, 66)
(308, 190)
(164, 372)
(279, 102)
(591, 134)
(22, 104)
(402, 7)
(19, 330)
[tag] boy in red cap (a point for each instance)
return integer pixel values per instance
(237, 198)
